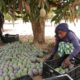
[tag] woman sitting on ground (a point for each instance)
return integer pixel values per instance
(66, 37)
(67, 46)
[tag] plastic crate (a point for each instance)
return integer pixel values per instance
(75, 73)
(27, 77)
(60, 77)
(9, 38)
(49, 70)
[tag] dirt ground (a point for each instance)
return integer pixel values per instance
(37, 78)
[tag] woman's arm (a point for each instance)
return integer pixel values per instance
(54, 51)
(75, 41)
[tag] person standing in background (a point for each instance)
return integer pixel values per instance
(1, 23)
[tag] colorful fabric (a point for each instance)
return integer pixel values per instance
(65, 48)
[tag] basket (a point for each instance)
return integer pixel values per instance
(60, 77)
(49, 70)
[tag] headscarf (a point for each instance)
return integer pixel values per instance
(62, 27)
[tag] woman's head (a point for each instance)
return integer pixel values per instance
(62, 30)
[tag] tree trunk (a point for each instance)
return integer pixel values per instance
(38, 31)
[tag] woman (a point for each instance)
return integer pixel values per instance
(63, 34)
(67, 46)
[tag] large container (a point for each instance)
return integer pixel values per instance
(49, 70)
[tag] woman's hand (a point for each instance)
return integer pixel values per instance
(66, 62)
(46, 57)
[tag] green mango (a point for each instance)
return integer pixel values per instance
(2, 78)
(6, 78)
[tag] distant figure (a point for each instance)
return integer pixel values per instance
(7, 38)
(1, 22)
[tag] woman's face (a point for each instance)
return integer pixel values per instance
(62, 34)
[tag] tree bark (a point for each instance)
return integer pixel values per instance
(38, 28)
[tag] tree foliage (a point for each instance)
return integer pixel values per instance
(30, 9)
(25, 9)
(69, 10)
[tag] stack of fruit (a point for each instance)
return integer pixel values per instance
(18, 59)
